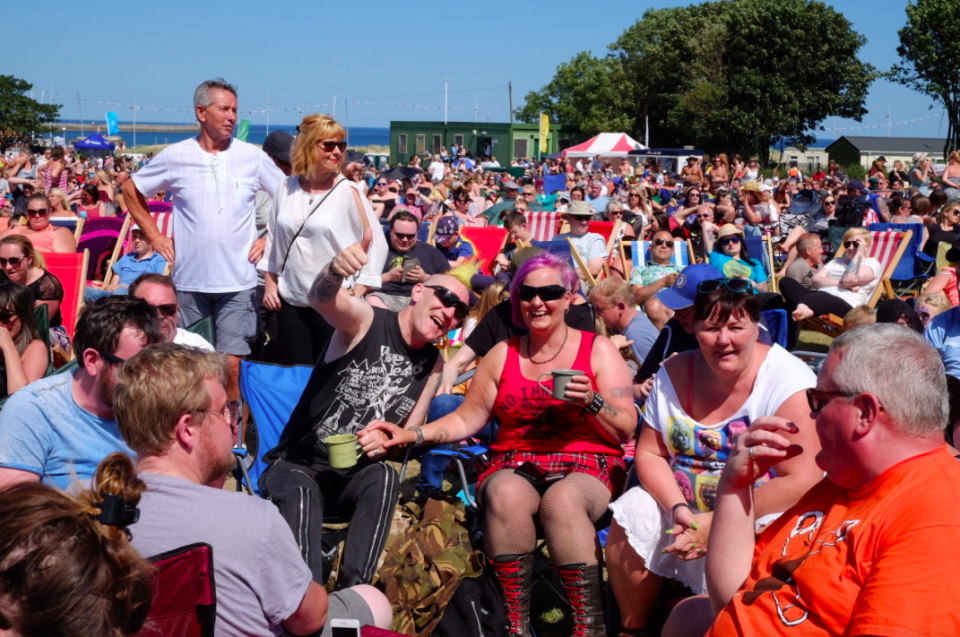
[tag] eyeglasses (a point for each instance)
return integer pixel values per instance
(546, 292)
(729, 240)
(851, 244)
(37, 212)
(166, 310)
(328, 146)
(817, 399)
(666, 242)
(401, 236)
(449, 299)
(738, 286)
(113, 359)
(704, 216)
(230, 411)
(13, 261)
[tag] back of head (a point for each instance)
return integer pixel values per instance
(158, 386)
(102, 321)
(514, 220)
(859, 316)
(901, 369)
(614, 290)
(65, 572)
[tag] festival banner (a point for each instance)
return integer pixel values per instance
(113, 124)
(243, 130)
(544, 131)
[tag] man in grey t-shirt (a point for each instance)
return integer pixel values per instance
(180, 424)
(809, 259)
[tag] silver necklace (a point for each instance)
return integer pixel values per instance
(566, 333)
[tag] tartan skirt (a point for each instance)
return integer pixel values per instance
(609, 469)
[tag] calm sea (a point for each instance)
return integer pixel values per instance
(356, 135)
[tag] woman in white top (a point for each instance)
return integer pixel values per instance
(699, 403)
(317, 216)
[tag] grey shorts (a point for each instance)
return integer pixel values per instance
(234, 317)
(347, 604)
(393, 303)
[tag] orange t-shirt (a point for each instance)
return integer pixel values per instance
(879, 560)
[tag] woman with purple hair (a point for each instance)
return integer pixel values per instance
(555, 460)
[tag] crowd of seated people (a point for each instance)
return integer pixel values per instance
(787, 502)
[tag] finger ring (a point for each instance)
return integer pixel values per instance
(750, 452)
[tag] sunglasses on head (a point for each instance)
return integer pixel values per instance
(546, 292)
(167, 309)
(404, 236)
(449, 299)
(37, 212)
(328, 146)
(13, 261)
(666, 242)
(729, 240)
(738, 286)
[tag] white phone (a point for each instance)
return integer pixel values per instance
(344, 628)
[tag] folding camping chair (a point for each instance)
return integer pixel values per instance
(164, 221)
(581, 264)
(71, 269)
(102, 238)
(543, 226)
(184, 596)
(760, 249)
(887, 247)
(915, 267)
(488, 241)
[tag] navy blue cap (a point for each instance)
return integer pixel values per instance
(684, 289)
(447, 226)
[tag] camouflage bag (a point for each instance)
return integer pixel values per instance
(424, 565)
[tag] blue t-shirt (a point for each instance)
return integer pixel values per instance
(943, 333)
(128, 268)
(735, 268)
(44, 431)
(599, 204)
(643, 333)
(461, 248)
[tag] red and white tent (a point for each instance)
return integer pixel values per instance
(605, 145)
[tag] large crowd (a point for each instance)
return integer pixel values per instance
(649, 393)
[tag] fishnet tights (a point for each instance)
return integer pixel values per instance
(567, 511)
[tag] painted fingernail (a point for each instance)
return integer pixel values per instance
(669, 531)
(663, 551)
(694, 526)
(794, 428)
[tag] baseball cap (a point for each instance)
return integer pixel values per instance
(278, 144)
(684, 290)
(447, 226)
(856, 184)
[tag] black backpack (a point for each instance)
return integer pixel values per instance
(851, 210)
(475, 610)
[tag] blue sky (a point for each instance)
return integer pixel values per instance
(380, 53)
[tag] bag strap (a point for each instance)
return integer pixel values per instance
(304, 224)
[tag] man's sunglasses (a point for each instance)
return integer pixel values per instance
(546, 292)
(113, 359)
(729, 240)
(661, 242)
(13, 261)
(449, 299)
(818, 399)
(738, 286)
(38, 212)
(403, 236)
(328, 146)
(166, 310)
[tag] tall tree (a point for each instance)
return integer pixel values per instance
(930, 58)
(20, 114)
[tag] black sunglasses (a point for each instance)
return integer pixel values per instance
(850, 244)
(167, 309)
(546, 292)
(449, 299)
(660, 242)
(738, 286)
(38, 212)
(14, 261)
(328, 146)
(403, 235)
(113, 359)
(727, 240)
(6, 316)
(817, 399)
(830, 203)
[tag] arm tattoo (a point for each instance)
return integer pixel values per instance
(610, 411)
(325, 287)
(622, 392)
(440, 435)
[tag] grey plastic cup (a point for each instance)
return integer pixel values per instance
(561, 378)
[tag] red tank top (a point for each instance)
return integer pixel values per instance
(531, 419)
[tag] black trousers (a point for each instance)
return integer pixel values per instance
(366, 499)
(819, 302)
(303, 334)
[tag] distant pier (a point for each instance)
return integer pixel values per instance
(91, 127)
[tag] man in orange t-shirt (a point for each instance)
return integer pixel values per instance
(870, 550)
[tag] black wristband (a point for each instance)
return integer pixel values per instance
(595, 405)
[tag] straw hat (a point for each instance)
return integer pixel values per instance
(729, 229)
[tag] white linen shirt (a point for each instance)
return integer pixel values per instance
(334, 226)
(213, 210)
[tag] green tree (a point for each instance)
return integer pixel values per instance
(930, 58)
(19, 114)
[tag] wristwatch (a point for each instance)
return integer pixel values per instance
(419, 431)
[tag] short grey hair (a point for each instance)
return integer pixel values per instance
(203, 96)
(614, 204)
(899, 367)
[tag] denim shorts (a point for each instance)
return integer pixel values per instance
(234, 317)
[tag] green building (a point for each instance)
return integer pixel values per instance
(506, 141)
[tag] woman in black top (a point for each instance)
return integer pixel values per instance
(945, 231)
(24, 265)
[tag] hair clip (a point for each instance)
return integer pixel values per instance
(115, 511)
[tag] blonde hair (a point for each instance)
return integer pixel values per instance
(857, 232)
(103, 177)
(495, 292)
(947, 208)
(313, 129)
(954, 156)
(613, 289)
(937, 301)
(465, 271)
(158, 386)
(858, 316)
(63, 199)
(26, 247)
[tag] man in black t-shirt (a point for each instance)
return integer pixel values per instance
(378, 365)
(399, 276)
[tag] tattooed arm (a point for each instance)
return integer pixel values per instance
(348, 314)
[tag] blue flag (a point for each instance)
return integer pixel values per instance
(113, 126)
(554, 183)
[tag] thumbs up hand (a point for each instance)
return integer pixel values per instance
(352, 259)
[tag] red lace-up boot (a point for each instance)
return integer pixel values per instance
(515, 573)
(582, 584)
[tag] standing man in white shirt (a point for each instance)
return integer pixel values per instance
(214, 180)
